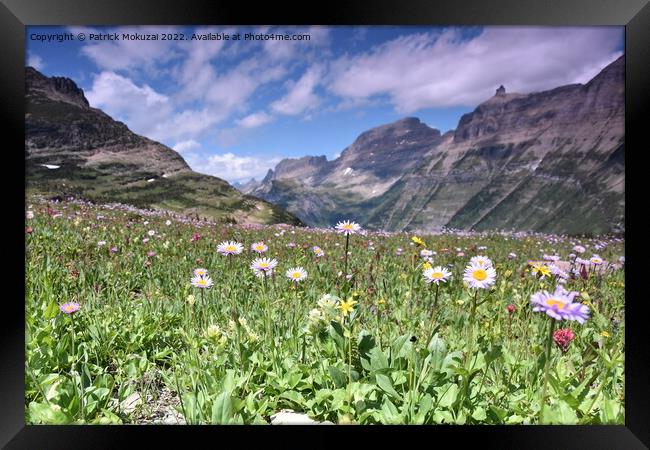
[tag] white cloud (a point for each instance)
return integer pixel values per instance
(129, 54)
(231, 167)
(438, 70)
(185, 146)
(300, 96)
(36, 62)
(284, 50)
(146, 111)
(255, 120)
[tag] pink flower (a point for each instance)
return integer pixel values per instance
(195, 237)
(563, 338)
(511, 308)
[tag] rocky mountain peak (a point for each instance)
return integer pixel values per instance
(301, 167)
(55, 88)
(399, 136)
(501, 91)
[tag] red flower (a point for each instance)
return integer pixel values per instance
(29, 230)
(195, 237)
(511, 308)
(563, 338)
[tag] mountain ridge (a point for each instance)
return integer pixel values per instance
(521, 161)
(73, 148)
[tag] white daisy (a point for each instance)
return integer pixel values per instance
(201, 282)
(479, 277)
(230, 248)
(259, 247)
(480, 260)
(347, 227)
(264, 265)
(436, 275)
(296, 274)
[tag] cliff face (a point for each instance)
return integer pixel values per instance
(61, 128)
(550, 161)
(73, 148)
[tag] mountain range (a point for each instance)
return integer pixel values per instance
(551, 161)
(72, 148)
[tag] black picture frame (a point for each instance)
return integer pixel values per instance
(633, 14)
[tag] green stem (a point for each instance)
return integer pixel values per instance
(345, 256)
(74, 370)
(547, 365)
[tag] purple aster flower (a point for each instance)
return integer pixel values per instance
(560, 305)
(70, 307)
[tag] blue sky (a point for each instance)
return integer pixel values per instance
(234, 108)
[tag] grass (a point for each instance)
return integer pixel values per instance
(248, 347)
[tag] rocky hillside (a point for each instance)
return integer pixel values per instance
(551, 161)
(72, 148)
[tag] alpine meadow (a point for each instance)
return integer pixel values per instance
(469, 273)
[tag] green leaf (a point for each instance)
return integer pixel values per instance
(425, 405)
(294, 396)
(494, 353)
(398, 345)
(449, 396)
(610, 412)
(437, 350)
(107, 418)
(496, 414)
(338, 328)
(390, 412)
(366, 343)
(561, 414)
(222, 409)
(386, 385)
(51, 311)
(339, 378)
(378, 360)
(48, 414)
(479, 414)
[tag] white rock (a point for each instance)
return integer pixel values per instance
(288, 417)
(129, 404)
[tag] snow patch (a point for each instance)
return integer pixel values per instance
(50, 166)
(150, 180)
(348, 170)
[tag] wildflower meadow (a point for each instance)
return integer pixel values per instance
(139, 316)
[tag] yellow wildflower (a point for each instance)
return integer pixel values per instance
(418, 241)
(426, 266)
(541, 269)
(604, 334)
(347, 306)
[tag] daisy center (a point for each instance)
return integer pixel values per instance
(437, 275)
(480, 274)
(348, 226)
(230, 248)
(202, 282)
(552, 302)
(296, 275)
